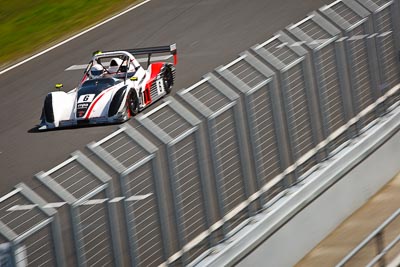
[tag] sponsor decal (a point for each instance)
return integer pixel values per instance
(83, 106)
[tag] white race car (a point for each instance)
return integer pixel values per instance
(114, 88)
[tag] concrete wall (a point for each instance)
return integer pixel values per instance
(285, 233)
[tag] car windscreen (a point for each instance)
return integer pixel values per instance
(96, 86)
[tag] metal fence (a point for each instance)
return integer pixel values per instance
(380, 247)
(193, 170)
(217, 104)
(86, 189)
(256, 82)
(178, 130)
(31, 227)
(135, 159)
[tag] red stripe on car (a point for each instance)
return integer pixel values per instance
(155, 69)
(92, 106)
(94, 103)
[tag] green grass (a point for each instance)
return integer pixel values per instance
(30, 25)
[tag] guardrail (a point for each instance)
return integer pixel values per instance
(193, 170)
(380, 240)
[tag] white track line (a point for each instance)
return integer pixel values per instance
(73, 37)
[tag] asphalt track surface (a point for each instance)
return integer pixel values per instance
(208, 33)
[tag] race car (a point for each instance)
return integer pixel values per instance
(114, 88)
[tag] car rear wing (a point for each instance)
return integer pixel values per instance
(153, 50)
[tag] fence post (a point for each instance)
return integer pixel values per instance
(380, 247)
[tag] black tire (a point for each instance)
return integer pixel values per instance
(48, 109)
(133, 103)
(168, 78)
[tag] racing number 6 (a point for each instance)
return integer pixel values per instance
(86, 98)
(160, 85)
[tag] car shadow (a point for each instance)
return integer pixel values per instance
(35, 130)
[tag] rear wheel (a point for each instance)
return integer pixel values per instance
(133, 103)
(168, 79)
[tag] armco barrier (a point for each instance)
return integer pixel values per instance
(194, 170)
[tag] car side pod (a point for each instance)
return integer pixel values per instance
(47, 113)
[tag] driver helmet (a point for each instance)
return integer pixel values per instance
(96, 71)
(114, 65)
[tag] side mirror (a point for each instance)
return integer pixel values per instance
(59, 86)
(133, 79)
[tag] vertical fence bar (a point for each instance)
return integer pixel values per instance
(386, 25)
(321, 37)
(257, 83)
(77, 181)
(177, 128)
(300, 111)
(356, 24)
(55, 227)
(379, 248)
(218, 104)
(136, 160)
(31, 229)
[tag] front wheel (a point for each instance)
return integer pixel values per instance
(133, 103)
